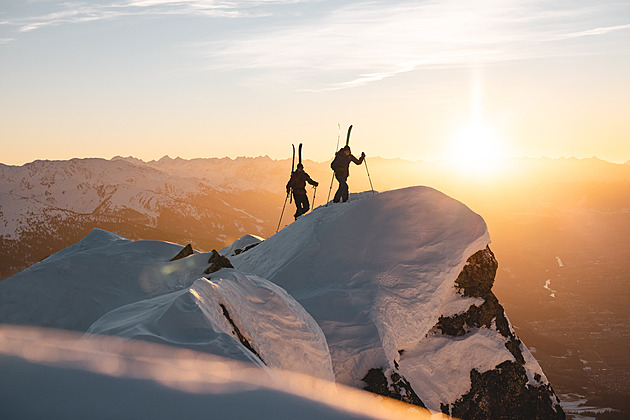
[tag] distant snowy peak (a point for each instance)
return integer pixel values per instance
(47, 205)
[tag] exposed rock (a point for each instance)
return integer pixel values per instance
(247, 248)
(238, 333)
(484, 316)
(504, 392)
(477, 276)
(217, 262)
(398, 387)
(185, 252)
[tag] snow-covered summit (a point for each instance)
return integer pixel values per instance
(389, 292)
(376, 272)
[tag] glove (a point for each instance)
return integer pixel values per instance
(316, 183)
(288, 191)
(362, 154)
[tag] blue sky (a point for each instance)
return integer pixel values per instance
(204, 78)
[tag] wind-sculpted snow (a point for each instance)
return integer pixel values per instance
(280, 332)
(376, 273)
(74, 287)
(108, 284)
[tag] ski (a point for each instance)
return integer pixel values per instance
(292, 170)
(300, 153)
(333, 174)
(348, 137)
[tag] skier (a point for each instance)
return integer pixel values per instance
(341, 166)
(297, 183)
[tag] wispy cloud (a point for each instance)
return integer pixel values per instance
(593, 32)
(73, 12)
(377, 40)
(353, 44)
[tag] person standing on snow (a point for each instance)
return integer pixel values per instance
(341, 166)
(297, 183)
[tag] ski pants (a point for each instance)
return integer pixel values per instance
(301, 204)
(342, 191)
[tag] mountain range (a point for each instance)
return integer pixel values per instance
(539, 211)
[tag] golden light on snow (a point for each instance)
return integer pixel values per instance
(191, 372)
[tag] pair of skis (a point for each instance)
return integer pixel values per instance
(299, 157)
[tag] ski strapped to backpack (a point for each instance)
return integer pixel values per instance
(348, 136)
(333, 174)
(300, 154)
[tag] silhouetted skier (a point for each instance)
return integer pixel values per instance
(297, 183)
(341, 166)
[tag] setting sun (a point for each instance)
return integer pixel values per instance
(476, 150)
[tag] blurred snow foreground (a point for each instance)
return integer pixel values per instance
(389, 292)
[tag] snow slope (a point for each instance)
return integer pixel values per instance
(377, 273)
(345, 290)
(49, 374)
(111, 285)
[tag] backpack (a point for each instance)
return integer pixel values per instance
(337, 162)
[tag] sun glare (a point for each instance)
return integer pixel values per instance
(476, 150)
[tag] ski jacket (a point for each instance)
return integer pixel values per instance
(341, 163)
(298, 181)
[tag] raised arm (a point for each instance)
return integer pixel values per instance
(357, 161)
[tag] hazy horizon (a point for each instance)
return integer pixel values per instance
(306, 158)
(420, 80)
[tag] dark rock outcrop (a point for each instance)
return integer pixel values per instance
(217, 262)
(504, 392)
(397, 387)
(185, 252)
(247, 248)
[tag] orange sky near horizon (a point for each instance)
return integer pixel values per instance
(421, 81)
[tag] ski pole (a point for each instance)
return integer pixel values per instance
(282, 214)
(330, 190)
(333, 175)
(314, 192)
(368, 173)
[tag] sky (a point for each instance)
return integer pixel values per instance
(420, 80)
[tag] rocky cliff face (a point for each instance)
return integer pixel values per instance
(506, 391)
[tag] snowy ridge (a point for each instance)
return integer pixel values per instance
(351, 293)
(264, 313)
(383, 266)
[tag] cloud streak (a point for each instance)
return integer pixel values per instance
(354, 44)
(594, 32)
(85, 12)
